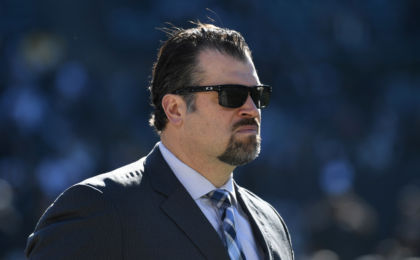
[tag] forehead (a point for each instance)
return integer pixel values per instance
(218, 68)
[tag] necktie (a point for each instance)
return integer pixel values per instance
(220, 198)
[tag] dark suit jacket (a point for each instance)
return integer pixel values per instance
(142, 211)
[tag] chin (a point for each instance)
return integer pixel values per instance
(241, 151)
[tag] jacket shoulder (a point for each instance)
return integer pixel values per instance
(257, 201)
(77, 219)
(123, 177)
(262, 206)
(85, 221)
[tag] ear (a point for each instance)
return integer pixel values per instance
(175, 108)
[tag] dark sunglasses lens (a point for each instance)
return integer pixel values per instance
(232, 97)
(265, 97)
(261, 96)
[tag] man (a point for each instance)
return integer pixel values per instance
(180, 201)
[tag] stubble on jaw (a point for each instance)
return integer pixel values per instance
(239, 152)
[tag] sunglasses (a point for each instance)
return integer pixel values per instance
(234, 96)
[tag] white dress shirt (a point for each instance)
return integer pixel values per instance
(198, 186)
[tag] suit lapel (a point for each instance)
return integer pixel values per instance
(256, 222)
(182, 209)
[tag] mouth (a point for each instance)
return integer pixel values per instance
(248, 126)
(247, 129)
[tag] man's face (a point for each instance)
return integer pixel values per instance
(230, 135)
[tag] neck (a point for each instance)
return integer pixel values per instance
(214, 170)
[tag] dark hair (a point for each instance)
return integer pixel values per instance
(176, 62)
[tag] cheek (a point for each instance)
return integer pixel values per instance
(220, 121)
(211, 119)
(213, 129)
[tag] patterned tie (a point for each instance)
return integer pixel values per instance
(220, 198)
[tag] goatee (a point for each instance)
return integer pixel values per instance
(240, 152)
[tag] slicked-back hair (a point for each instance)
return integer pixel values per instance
(177, 60)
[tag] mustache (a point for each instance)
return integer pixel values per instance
(245, 121)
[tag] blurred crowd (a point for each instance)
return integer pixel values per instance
(340, 156)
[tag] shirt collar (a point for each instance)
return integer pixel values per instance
(195, 183)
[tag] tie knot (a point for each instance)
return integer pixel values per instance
(219, 197)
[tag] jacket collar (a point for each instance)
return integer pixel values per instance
(181, 208)
(257, 224)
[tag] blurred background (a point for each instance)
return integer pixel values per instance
(341, 138)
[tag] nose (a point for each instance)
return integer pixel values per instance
(249, 109)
